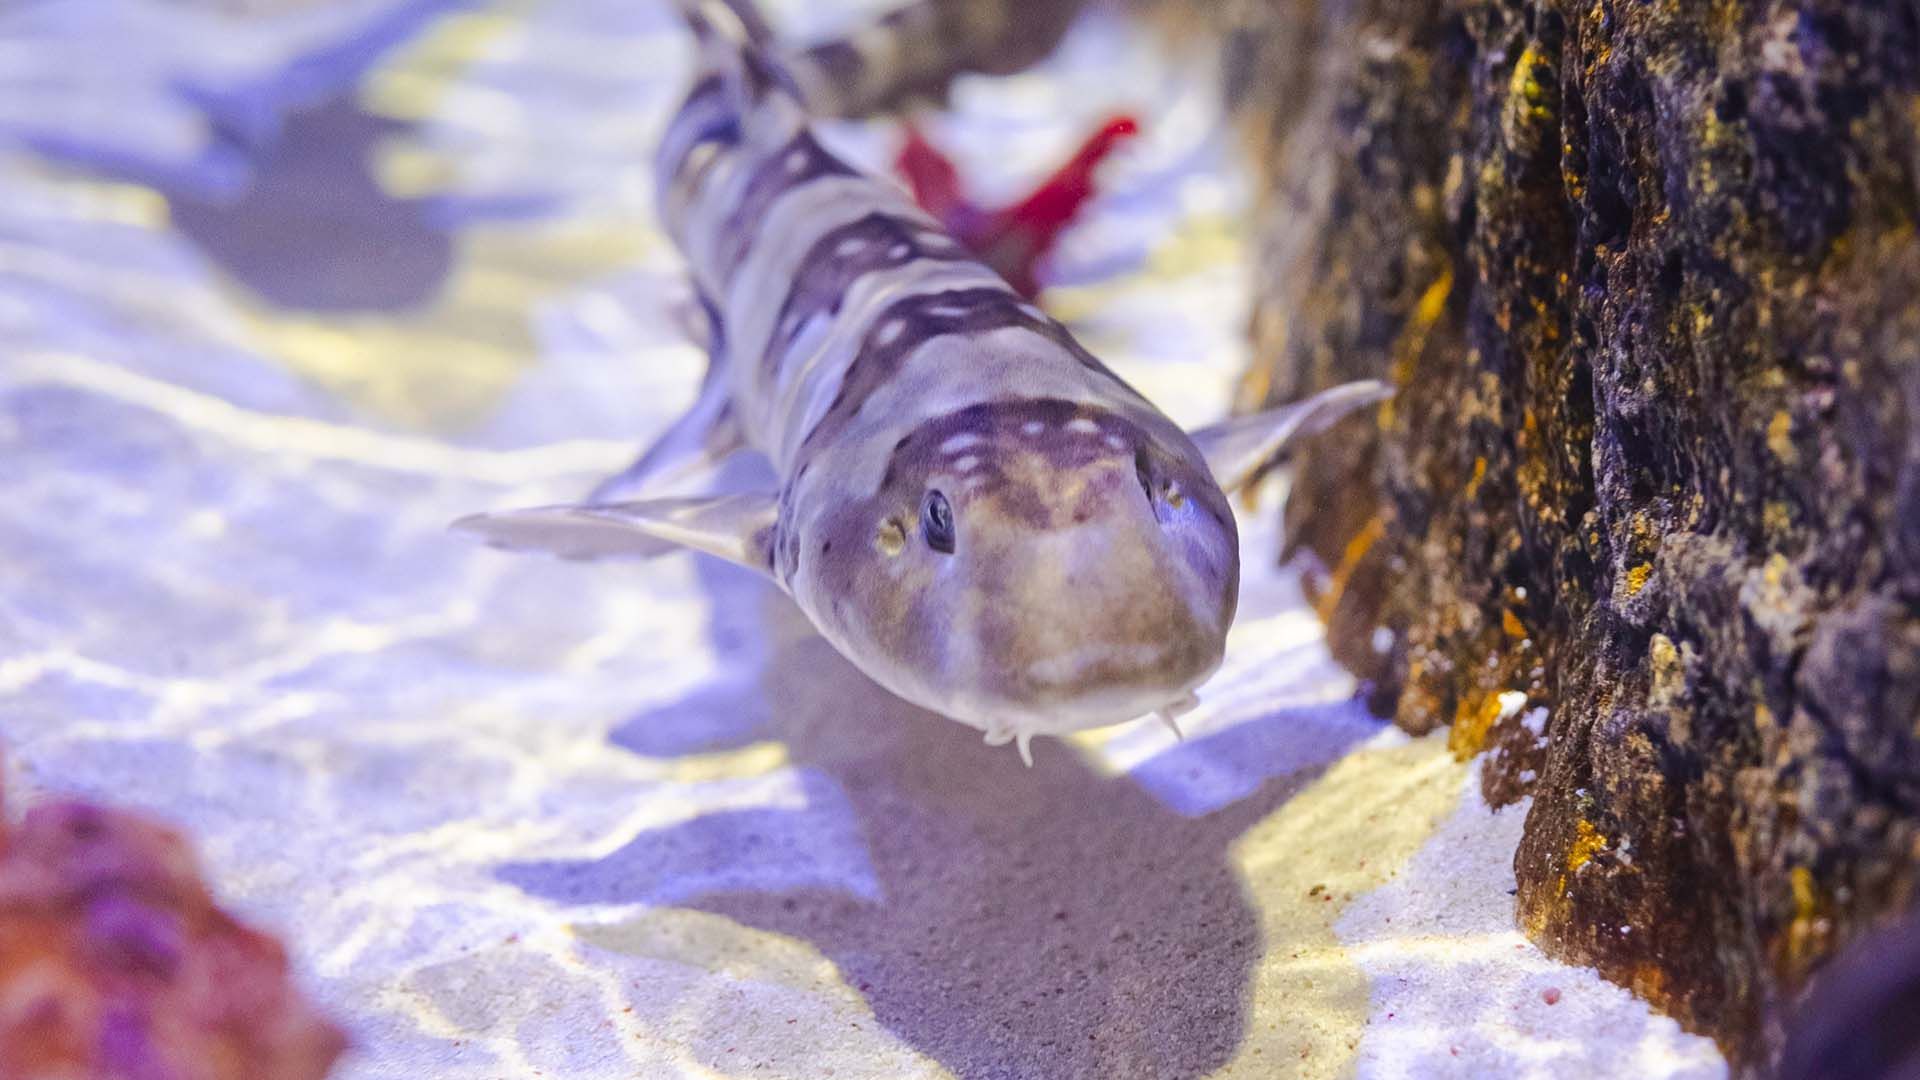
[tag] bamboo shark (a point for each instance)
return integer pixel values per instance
(972, 508)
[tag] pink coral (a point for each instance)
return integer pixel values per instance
(116, 964)
(1016, 238)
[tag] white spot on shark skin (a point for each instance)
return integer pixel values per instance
(1063, 668)
(1033, 427)
(957, 443)
(891, 332)
(899, 251)
(966, 464)
(937, 240)
(1116, 442)
(1032, 312)
(946, 311)
(852, 245)
(1083, 425)
(797, 162)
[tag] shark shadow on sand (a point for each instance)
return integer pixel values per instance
(284, 198)
(1013, 922)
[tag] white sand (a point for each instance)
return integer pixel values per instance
(519, 817)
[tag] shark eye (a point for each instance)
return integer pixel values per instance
(936, 522)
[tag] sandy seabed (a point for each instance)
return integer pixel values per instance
(519, 817)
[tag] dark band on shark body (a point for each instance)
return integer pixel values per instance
(925, 317)
(772, 180)
(975, 310)
(879, 242)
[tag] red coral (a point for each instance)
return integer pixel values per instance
(1014, 239)
(116, 964)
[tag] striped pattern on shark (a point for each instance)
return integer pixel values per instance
(972, 508)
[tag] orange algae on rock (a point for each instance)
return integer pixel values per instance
(1471, 724)
(1587, 842)
(116, 964)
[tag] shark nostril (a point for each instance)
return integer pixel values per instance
(1143, 472)
(1161, 494)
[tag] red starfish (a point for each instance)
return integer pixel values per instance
(1015, 238)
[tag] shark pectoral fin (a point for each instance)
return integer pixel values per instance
(737, 528)
(1240, 449)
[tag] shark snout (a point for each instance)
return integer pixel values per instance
(1105, 621)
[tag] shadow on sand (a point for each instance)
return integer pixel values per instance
(1030, 922)
(284, 198)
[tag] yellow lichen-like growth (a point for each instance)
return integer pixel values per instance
(1511, 624)
(1356, 549)
(1804, 901)
(1412, 342)
(1780, 437)
(1668, 688)
(1433, 301)
(1775, 572)
(1637, 578)
(1530, 101)
(1587, 842)
(1479, 474)
(1648, 982)
(1471, 722)
(1664, 655)
(1776, 517)
(1806, 938)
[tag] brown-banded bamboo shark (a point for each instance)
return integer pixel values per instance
(972, 508)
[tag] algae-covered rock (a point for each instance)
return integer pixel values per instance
(1648, 277)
